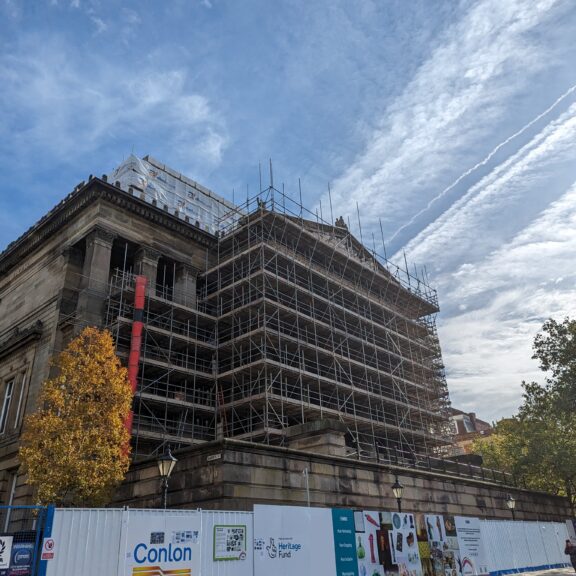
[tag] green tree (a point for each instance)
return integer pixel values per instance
(75, 446)
(538, 445)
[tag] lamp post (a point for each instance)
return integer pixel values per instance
(306, 474)
(511, 503)
(398, 490)
(166, 464)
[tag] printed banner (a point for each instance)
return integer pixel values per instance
(293, 541)
(163, 544)
(471, 548)
(229, 542)
(21, 560)
(5, 553)
(344, 542)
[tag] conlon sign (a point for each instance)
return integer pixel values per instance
(163, 543)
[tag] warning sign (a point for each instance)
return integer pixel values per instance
(47, 549)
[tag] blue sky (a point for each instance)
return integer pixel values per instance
(452, 121)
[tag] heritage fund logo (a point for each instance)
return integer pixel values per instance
(284, 549)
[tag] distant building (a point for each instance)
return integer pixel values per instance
(466, 427)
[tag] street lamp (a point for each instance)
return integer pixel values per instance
(306, 474)
(398, 490)
(166, 464)
(511, 503)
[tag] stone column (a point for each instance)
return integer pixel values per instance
(146, 264)
(95, 276)
(185, 285)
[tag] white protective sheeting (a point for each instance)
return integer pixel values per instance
(87, 542)
(158, 183)
(523, 545)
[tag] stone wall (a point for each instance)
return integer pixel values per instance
(235, 475)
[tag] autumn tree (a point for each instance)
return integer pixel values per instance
(75, 446)
(538, 445)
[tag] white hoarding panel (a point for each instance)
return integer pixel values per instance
(293, 541)
(87, 542)
(523, 545)
(222, 538)
(472, 553)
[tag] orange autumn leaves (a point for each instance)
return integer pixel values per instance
(74, 446)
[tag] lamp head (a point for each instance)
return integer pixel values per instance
(397, 489)
(510, 502)
(166, 464)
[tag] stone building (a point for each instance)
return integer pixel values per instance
(467, 427)
(264, 325)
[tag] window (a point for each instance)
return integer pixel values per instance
(468, 425)
(6, 405)
(19, 409)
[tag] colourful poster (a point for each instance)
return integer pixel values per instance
(367, 525)
(386, 544)
(452, 559)
(404, 544)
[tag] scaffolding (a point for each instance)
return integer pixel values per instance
(293, 320)
(175, 401)
(314, 325)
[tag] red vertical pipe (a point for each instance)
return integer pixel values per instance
(136, 340)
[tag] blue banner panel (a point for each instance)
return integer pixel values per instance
(344, 544)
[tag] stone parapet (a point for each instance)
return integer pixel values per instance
(235, 475)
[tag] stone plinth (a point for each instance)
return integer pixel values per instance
(235, 475)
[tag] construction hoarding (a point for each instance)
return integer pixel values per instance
(297, 541)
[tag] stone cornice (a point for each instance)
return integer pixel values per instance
(85, 195)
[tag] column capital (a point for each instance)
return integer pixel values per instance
(188, 269)
(145, 253)
(101, 234)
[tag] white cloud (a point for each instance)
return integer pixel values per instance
(487, 347)
(61, 107)
(100, 25)
(453, 103)
(503, 256)
(481, 219)
(500, 254)
(131, 17)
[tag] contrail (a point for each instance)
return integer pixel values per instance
(483, 162)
